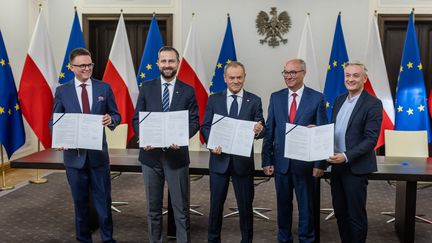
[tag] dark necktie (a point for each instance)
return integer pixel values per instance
(165, 98)
(293, 108)
(233, 112)
(85, 99)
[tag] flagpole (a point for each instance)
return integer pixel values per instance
(4, 187)
(38, 180)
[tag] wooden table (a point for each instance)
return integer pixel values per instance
(405, 171)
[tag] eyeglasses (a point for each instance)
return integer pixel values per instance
(84, 66)
(291, 73)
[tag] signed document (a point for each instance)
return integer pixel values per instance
(232, 135)
(77, 130)
(309, 144)
(162, 129)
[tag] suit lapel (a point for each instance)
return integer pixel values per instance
(284, 103)
(177, 92)
(74, 96)
(357, 107)
(96, 95)
(244, 105)
(302, 105)
(336, 107)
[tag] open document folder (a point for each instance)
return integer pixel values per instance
(77, 130)
(232, 135)
(309, 144)
(162, 129)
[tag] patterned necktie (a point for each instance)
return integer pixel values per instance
(85, 99)
(293, 108)
(233, 112)
(165, 98)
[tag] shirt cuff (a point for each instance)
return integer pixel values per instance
(346, 158)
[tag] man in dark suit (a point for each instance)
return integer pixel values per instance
(88, 171)
(300, 105)
(167, 93)
(357, 116)
(236, 103)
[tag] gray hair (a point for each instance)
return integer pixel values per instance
(357, 63)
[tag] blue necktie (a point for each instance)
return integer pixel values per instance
(233, 112)
(165, 98)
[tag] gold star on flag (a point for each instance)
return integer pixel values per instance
(400, 108)
(228, 61)
(2, 62)
(68, 66)
(62, 75)
(1, 110)
(149, 66)
(401, 69)
(219, 65)
(10, 112)
(327, 104)
(410, 111)
(328, 67)
(420, 66)
(343, 65)
(142, 75)
(334, 63)
(16, 107)
(421, 108)
(211, 83)
(410, 65)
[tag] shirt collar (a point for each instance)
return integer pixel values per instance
(163, 81)
(352, 99)
(299, 92)
(239, 94)
(78, 83)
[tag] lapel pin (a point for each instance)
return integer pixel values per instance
(100, 98)
(247, 100)
(177, 92)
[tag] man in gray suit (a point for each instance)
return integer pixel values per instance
(163, 94)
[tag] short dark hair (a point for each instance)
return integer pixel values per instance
(78, 52)
(234, 64)
(169, 48)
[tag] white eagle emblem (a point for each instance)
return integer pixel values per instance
(273, 28)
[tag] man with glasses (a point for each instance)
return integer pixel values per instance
(88, 171)
(304, 106)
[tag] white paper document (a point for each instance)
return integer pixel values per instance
(77, 130)
(309, 144)
(162, 129)
(232, 135)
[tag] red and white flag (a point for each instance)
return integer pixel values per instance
(192, 71)
(38, 83)
(120, 74)
(377, 83)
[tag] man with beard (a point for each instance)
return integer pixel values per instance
(164, 94)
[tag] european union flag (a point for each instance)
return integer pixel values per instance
(411, 105)
(76, 40)
(227, 54)
(148, 69)
(12, 134)
(335, 79)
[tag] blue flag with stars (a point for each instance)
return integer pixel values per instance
(411, 105)
(148, 69)
(335, 79)
(227, 54)
(12, 135)
(76, 40)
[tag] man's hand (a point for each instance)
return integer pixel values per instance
(258, 128)
(337, 158)
(268, 170)
(217, 150)
(60, 149)
(174, 146)
(106, 120)
(317, 172)
(148, 147)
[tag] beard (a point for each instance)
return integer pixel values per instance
(168, 73)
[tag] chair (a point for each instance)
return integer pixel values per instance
(407, 144)
(258, 212)
(117, 139)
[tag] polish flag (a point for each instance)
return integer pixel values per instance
(192, 71)
(120, 74)
(38, 83)
(377, 83)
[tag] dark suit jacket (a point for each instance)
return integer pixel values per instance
(362, 132)
(150, 99)
(66, 101)
(250, 110)
(311, 110)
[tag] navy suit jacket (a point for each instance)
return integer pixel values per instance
(150, 99)
(362, 132)
(311, 110)
(250, 110)
(66, 101)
